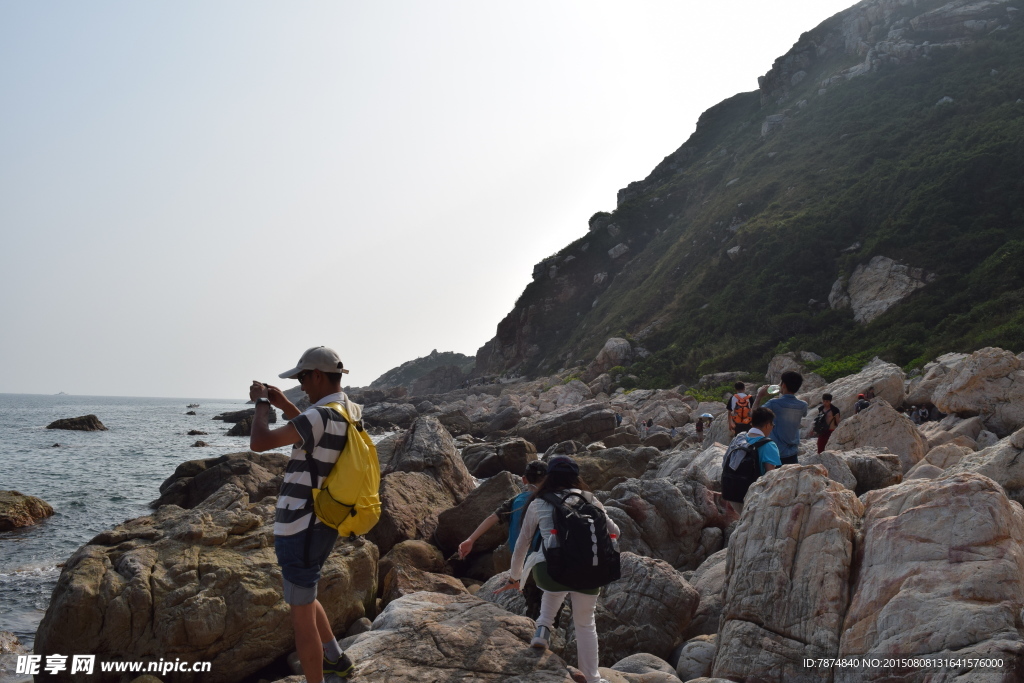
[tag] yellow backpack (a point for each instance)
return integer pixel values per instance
(349, 500)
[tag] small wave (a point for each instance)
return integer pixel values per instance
(37, 570)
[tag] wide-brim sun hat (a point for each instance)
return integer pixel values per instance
(317, 358)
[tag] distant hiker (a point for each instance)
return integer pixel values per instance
(700, 428)
(643, 430)
(511, 512)
(748, 457)
(672, 434)
(788, 411)
(861, 404)
(914, 415)
(301, 541)
(826, 422)
(923, 415)
(561, 509)
(739, 410)
(618, 419)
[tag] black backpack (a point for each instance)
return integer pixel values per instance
(736, 481)
(586, 557)
(821, 422)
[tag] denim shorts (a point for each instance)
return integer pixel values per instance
(300, 577)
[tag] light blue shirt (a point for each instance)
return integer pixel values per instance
(768, 454)
(789, 411)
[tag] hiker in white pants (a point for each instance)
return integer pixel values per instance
(563, 477)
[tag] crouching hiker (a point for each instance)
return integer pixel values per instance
(576, 554)
(748, 457)
(511, 512)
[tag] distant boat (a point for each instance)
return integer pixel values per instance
(60, 393)
(192, 405)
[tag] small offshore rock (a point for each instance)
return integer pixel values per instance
(200, 444)
(85, 423)
(196, 432)
(18, 510)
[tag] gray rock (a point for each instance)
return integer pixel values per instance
(696, 657)
(258, 474)
(454, 638)
(643, 663)
(85, 423)
(456, 524)
(873, 468)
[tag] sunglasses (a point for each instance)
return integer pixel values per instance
(303, 375)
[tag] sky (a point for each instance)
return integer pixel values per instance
(193, 193)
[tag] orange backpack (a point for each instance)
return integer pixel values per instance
(741, 415)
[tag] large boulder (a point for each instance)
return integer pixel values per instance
(200, 584)
(709, 581)
(456, 422)
(793, 361)
(881, 426)
(788, 574)
(508, 455)
(428, 448)
(454, 525)
(989, 382)
(643, 663)
(940, 575)
(451, 638)
(876, 287)
(403, 580)
(411, 554)
(709, 462)
(18, 510)
(696, 657)
(718, 430)
(387, 414)
(85, 423)
(593, 421)
(666, 520)
(921, 388)
(942, 457)
(410, 505)
(644, 611)
(615, 352)
(258, 474)
(604, 468)
(505, 419)
(1003, 463)
(886, 378)
(873, 468)
(838, 470)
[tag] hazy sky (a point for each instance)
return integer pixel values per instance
(193, 193)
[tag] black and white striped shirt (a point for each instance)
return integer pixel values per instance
(324, 433)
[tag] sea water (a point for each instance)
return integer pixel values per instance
(93, 480)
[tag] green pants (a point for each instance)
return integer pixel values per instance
(546, 583)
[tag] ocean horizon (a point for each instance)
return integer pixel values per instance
(93, 480)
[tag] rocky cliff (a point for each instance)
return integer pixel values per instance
(865, 197)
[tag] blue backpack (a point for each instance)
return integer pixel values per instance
(515, 522)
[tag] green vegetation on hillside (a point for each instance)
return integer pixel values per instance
(874, 166)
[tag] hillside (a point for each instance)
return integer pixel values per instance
(448, 364)
(865, 200)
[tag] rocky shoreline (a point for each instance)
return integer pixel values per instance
(899, 540)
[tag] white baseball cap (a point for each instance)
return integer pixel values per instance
(317, 358)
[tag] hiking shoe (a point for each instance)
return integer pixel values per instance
(341, 668)
(541, 637)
